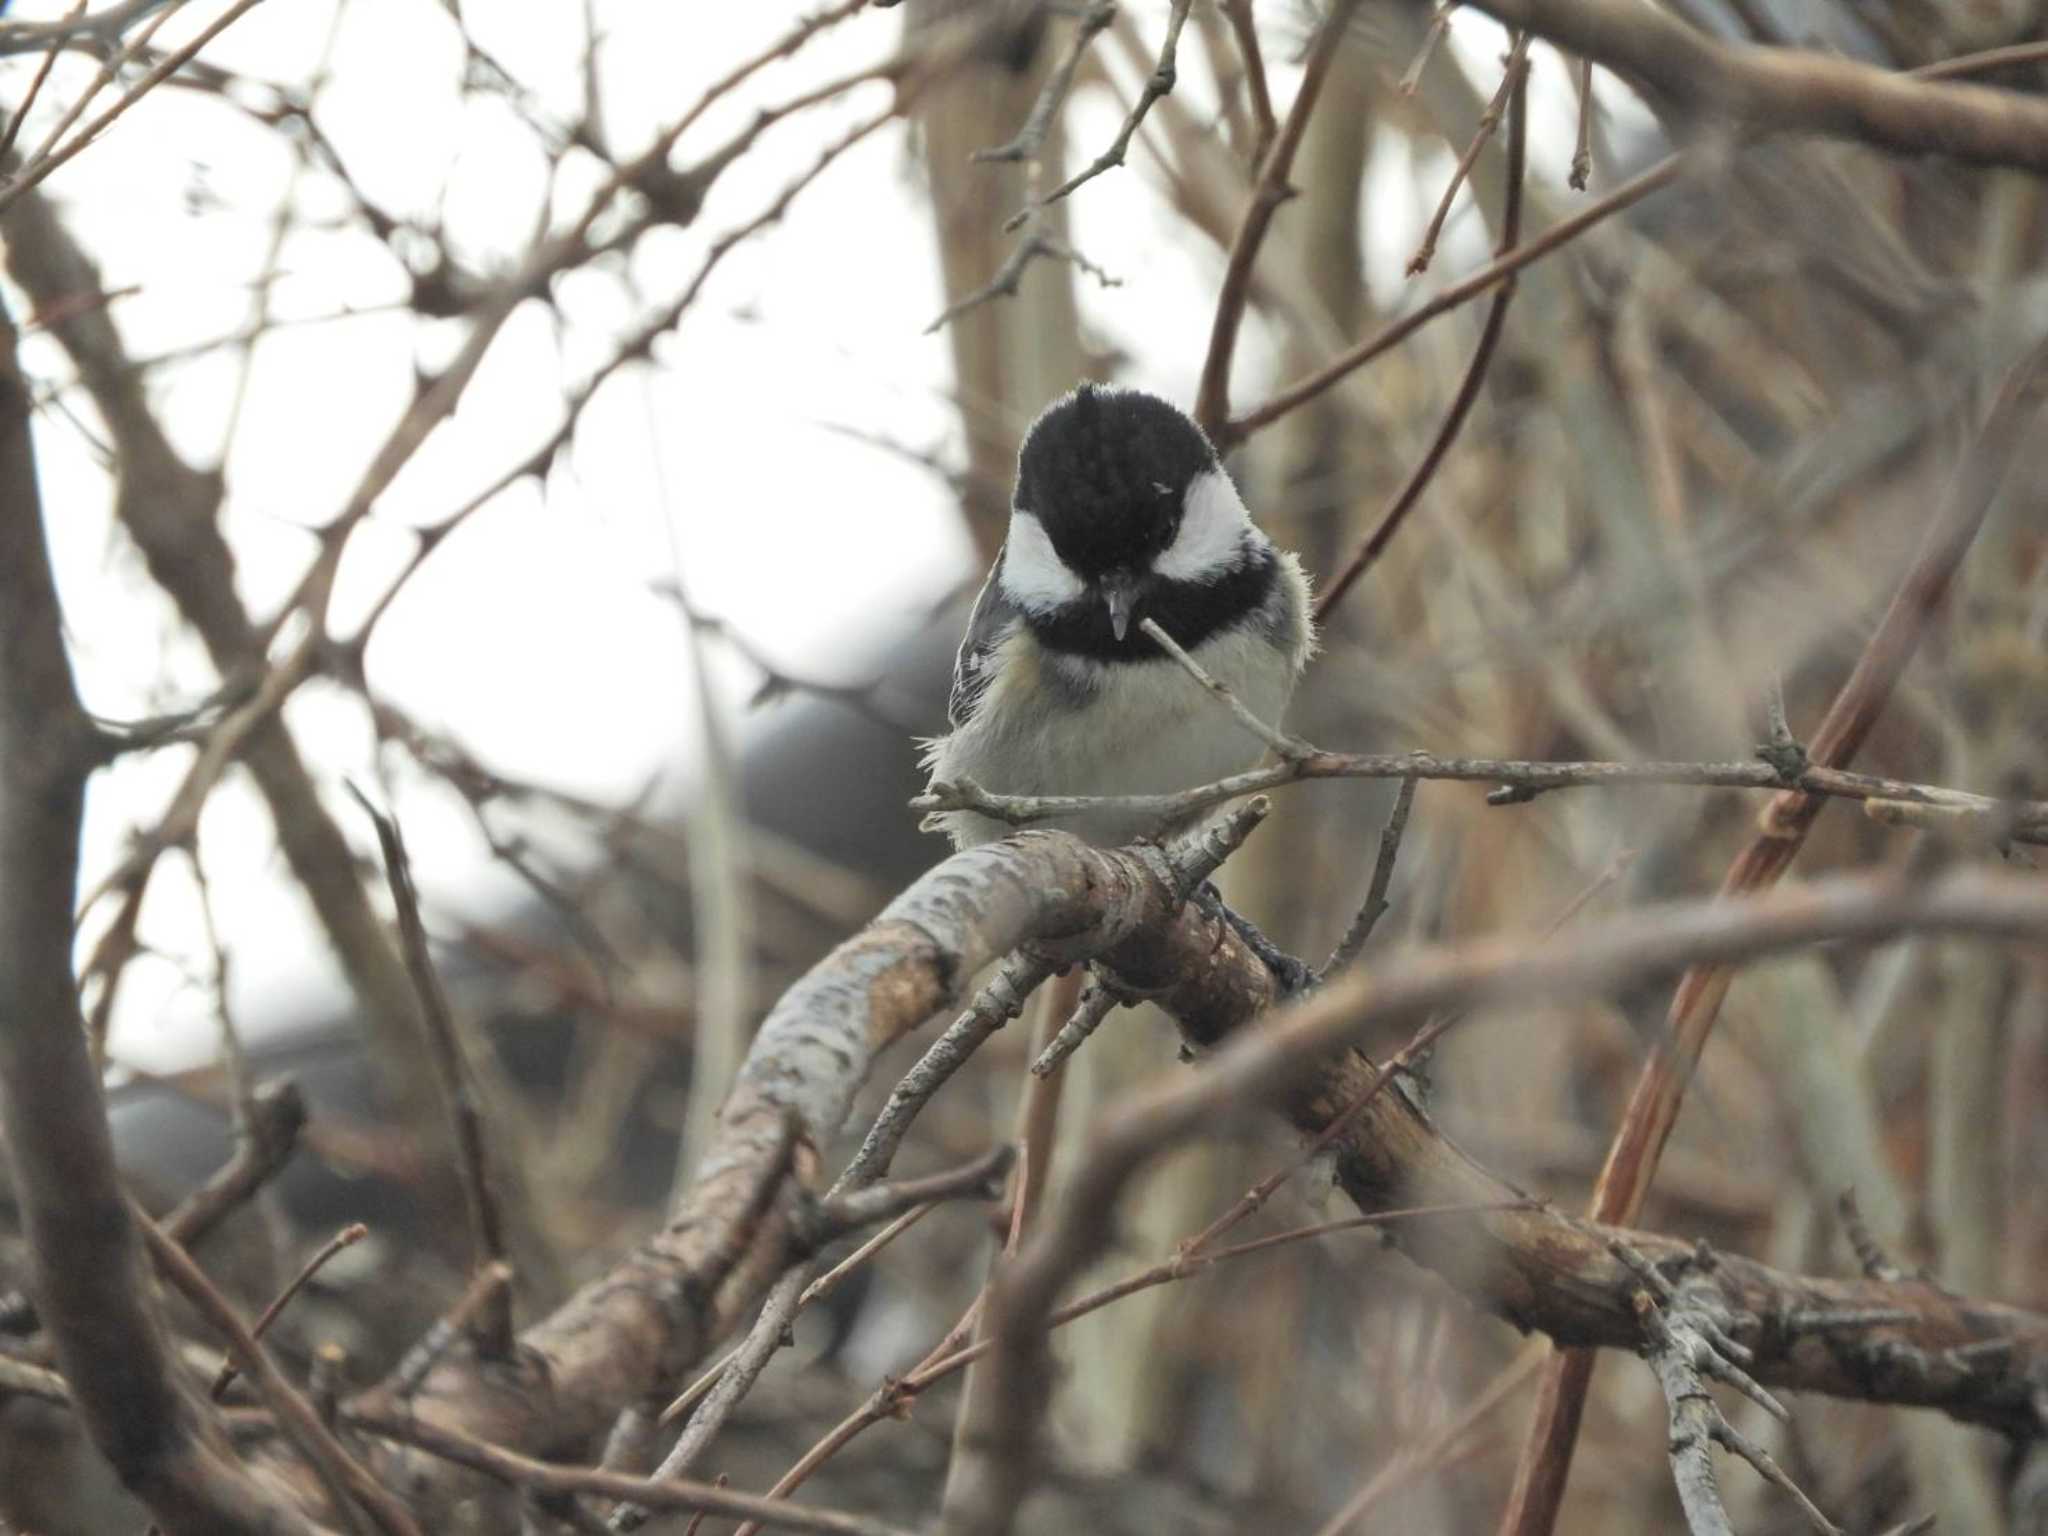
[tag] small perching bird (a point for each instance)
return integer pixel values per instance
(1123, 512)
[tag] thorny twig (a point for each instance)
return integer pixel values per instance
(1514, 88)
(1520, 779)
(465, 1111)
(1516, 66)
(1375, 904)
(1157, 84)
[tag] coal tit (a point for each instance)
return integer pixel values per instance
(1122, 512)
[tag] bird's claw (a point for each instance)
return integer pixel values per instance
(1292, 976)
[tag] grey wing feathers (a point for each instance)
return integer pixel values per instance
(990, 620)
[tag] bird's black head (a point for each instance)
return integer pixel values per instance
(1106, 472)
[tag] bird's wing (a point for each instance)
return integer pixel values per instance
(990, 621)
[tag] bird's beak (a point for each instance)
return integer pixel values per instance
(1120, 596)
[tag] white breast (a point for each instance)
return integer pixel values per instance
(1144, 728)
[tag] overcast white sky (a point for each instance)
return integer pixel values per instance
(532, 635)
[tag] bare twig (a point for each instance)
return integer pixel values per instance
(994, 1006)
(1696, 1001)
(1264, 127)
(1212, 396)
(1514, 68)
(982, 1179)
(1097, 1000)
(1582, 145)
(1515, 88)
(1375, 905)
(35, 85)
(347, 1237)
(88, 135)
(1230, 434)
(1686, 1339)
(450, 1326)
(1093, 19)
(345, 1477)
(1520, 781)
(1157, 84)
(1283, 745)
(551, 1477)
(493, 1330)
(1432, 37)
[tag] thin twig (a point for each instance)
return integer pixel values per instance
(1439, 27)
(450, 1326)
(35, 86)
(1157, 84)
(1231, 433)
(1521, 780)
(1515, 86)
(1516, 66)
(1239, 14)
(345, 1476)
(1212, 396)
(1030, 139)
(993, 1006)
(347, 1237)
(1375, 904)
(552, 1477)
(1283, 745)
(165, 67)
(493, 1329)
(1097, 1001)
(1582, 147)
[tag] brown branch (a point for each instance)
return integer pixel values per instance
(629, 1335)
(506, 1466)
(455, 1080)
(1374, 907)
(344, 1476)
(1501, 268)
(1858, 1338)
(1230, 434)
(35, 86)
(266, 1138)
(347, 1237)
(1515, 86)
(1159, 83)
(90, 134)
(87, 1268)
(1264, 127)
(1212, 396)
(1513, 70)
(1696, 1002)
(1789, 90)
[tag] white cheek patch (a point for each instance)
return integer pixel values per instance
(1212, 531)
(1034, 576)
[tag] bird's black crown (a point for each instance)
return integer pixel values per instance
(1106, 472)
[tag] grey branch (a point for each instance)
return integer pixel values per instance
(1520, 780)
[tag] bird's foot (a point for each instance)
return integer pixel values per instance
(1293, 976)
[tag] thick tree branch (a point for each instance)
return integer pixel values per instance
(1791, 90)
(90, 1282)
(1908, 1343)
(1652, 1111)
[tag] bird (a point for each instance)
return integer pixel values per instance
(1123, 511)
